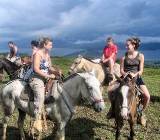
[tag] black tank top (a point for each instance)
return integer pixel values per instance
(131, 65)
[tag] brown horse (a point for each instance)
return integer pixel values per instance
(126, 102)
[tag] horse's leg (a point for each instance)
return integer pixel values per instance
(132, 133)
(119, 124)
(8, 107)
(21, 118)
(60, 135)
(5, 123)
(131, 123)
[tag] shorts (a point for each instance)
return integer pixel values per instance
(140, 81)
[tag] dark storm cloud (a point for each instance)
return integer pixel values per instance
(82, 21)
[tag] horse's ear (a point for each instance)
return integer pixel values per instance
(80, 56)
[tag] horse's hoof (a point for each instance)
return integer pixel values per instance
(132, 138)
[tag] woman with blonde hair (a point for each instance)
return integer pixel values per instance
(42, 67)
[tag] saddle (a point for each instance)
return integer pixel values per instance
(48, 86)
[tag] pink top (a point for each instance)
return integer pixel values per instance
(109, 50)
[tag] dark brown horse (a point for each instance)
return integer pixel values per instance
(126, 102)
(11, 68)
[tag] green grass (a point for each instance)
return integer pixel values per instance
(89, 125)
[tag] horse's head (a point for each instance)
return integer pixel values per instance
(93, 93)
(125, 92)
(77, 65)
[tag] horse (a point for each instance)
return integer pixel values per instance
(82, 64)
(126, 101)
(11, 68)
(62, 101)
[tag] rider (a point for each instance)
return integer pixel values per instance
(34, 45)
(133, 62)
(13, 55)
(41, 72)
(109, 56)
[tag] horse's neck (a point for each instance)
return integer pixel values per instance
(9, 69)
(88, 65)
(72, 91)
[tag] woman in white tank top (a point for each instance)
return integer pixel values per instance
(41, 66)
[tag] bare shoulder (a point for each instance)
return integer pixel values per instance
(38, 54)
(141, 55)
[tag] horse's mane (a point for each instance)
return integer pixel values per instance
(70, 77)
(89, 59)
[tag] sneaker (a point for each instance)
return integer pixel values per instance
(37, 125)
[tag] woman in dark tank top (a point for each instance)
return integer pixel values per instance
(131, 65)
(133, 62)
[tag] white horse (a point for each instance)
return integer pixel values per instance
(61, 109)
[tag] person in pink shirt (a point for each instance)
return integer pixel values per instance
(34, 45)
(109, 56)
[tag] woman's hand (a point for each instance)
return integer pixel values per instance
(132, 74)
(51, 76)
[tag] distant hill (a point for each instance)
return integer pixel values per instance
(69, 48)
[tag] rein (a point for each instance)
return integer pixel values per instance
(70, 107)
(97, 100)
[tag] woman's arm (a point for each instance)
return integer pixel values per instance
(122, 66)
(15, 49)
(36, 66)
(141, 65)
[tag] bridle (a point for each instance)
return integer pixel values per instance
(95, 100)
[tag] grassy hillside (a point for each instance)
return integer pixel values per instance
(89, 125)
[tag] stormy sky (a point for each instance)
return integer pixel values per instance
(80, 21)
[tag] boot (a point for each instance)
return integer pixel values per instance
(143, 120)
(37, 123)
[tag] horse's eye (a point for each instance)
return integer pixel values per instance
(76, 63)
(90, 88)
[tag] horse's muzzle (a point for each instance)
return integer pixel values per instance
(98, 107)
